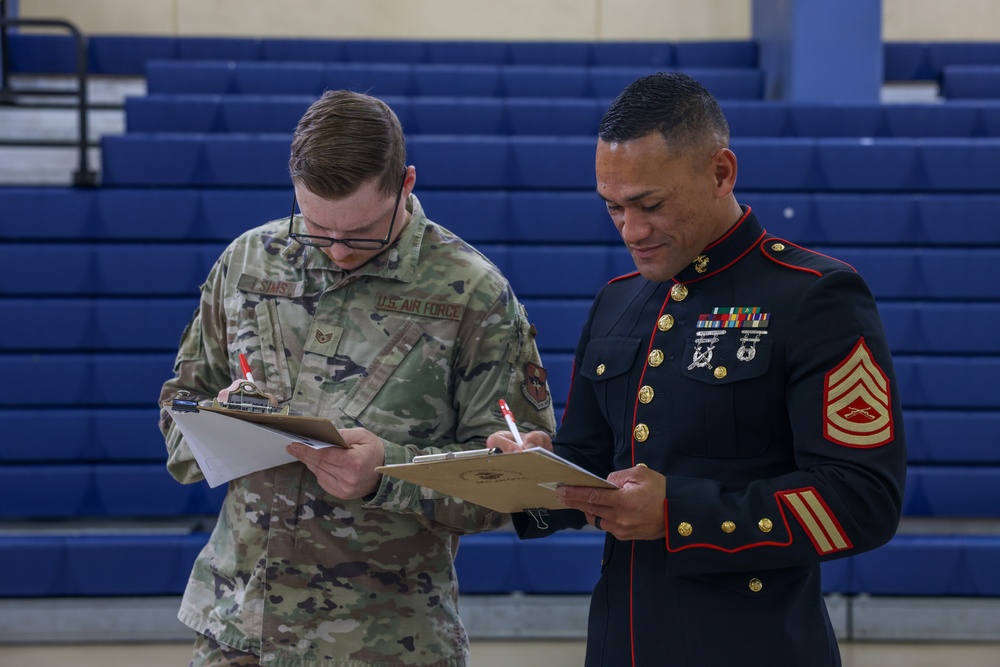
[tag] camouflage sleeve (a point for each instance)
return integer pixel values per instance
(201, 369)
(498, 359)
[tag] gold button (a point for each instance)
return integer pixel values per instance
(600, 369)
(720, 372)
(778, 247)
(646, 394)
(765, 525)
(678, 292)
(641, 432)
(655, 358)
(728, 526)
(756, 585)
(684, 528)
(665, 323)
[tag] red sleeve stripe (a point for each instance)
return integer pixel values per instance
(817, 520)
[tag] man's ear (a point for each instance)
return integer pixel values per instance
(724, 170)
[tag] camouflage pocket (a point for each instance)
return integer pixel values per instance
(272, 349)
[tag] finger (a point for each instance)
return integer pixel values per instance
(304, 453)
(503, 441)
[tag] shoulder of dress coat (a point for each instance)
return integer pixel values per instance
(788, 255)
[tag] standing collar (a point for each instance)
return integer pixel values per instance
(725, 251)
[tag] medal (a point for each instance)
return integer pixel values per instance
(752, 338)
(701, 358)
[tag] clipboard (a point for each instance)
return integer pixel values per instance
(231, 443)
(511, 482)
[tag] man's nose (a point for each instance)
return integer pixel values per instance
(634, 228)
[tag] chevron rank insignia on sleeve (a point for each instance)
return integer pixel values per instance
(857, 409)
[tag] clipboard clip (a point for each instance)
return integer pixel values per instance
(247, 397)
(538, 514)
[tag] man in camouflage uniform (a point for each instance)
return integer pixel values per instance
(363, 311)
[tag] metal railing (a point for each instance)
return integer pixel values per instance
(84, 176)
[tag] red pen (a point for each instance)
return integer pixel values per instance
(509, 417)
(246, 368)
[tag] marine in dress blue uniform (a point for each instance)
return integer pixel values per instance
(759, 382)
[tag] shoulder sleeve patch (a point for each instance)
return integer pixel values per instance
(857, 410)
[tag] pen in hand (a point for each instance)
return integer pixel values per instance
(246, 368)
(509, 418)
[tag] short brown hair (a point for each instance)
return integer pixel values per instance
(345, 140)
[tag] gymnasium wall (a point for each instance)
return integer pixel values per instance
(584, 20)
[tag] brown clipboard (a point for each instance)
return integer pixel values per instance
(511, 482)
(314, 428)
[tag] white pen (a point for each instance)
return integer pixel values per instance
(509, 417)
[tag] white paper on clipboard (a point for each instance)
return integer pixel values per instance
(226, 447)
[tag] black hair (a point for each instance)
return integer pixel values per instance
(673, 104)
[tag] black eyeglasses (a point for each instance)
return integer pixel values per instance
(357, 244)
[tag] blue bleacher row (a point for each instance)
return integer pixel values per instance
(490, 215)
(70, 434)
(247, 77)
(539, 270)
(145, 490)
(967, 82)
(205, 113)
(152, 564)
(552, 163)
(127, 55)
(85, 324)
(133, 379)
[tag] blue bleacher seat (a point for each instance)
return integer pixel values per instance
(460, 162)
(948, 382)
(174, 113)
(99, 565)
(218, 48)
(150, 214)
(195, 160)
(375, 79)
(913, 565)
(549, 54)
(95, 324)
(78, 435)
(570, 564)
(970, 82)
(68, 213)
(250, 114)
(559, 322)
(454, 115)
(560, 217)
(303, 49)
(835, 120)
(85, 380)
(716, 54)
(952, 437)
(552, 163)
(466, 52)
(256, 78)
(452, 80)
(103, 490)
(952, 491)
(488, 563)
(659, 55)
(920, 327)
(120, 269)
(127, 54)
